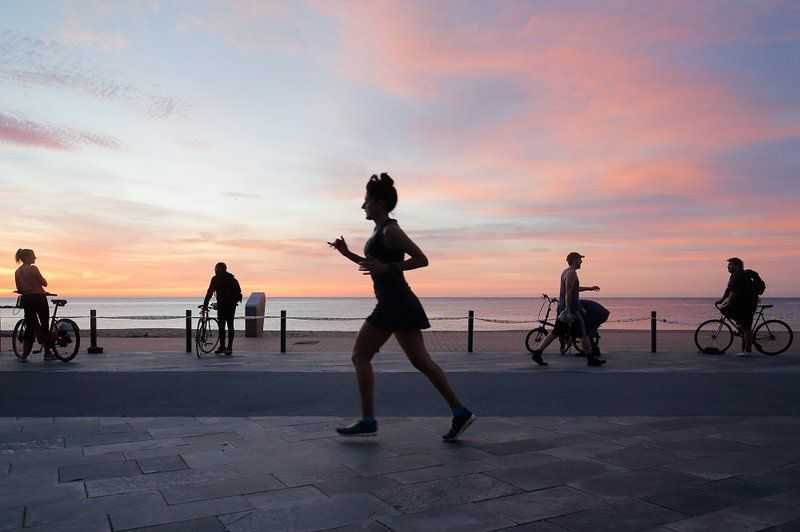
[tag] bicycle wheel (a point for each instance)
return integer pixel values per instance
(773, 337)
(18, 341)
(207, 336)
(66, 339)
(535, 338)
(713, 337)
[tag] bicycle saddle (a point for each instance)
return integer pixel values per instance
(766, 306)
(59, 302)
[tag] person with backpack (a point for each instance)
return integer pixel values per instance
(229, 294)
(740, 299)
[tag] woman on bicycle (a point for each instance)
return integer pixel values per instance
(397, 312)
(30, 285)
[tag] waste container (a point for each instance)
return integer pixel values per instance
(255, 306)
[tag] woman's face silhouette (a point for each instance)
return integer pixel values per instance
(372, 207)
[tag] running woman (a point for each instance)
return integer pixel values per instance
(397, 312)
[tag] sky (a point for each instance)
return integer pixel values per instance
(143, 141)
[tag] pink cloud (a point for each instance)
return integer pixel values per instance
(36, 135)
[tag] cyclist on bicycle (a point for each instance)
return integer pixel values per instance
(739, 302)
(229, 294)
(30, 285)
(572, 314)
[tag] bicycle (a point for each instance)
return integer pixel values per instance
(770, 337)
(63, 334)
(207, 336)
(566, 340)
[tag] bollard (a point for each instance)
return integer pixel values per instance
(653, 331)
(283, 331)
(188, 331)
(470, 330)
(93, 348)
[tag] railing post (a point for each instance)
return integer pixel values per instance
(653, 331)
(188, 331)
(283, 331)
(470, 330)
(93, 348)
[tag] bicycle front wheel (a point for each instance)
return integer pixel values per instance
(18, 341)
(713, 336)
(207, 336)
(773, 337)
(66, 339)
(535, 338)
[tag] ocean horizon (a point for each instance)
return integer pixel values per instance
(446, 313)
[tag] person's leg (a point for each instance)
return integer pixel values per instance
(31, 323)
(43, 317)
(231, 331)
(413, 344)
(221, 324)
(368, 342)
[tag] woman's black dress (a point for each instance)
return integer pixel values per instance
(398, 309)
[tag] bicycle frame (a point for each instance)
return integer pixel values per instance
(759, 318)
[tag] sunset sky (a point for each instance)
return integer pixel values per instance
(142, 141)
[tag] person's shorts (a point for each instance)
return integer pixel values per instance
(596, 315)
(743, 316)
(577, 328)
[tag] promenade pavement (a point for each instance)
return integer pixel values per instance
(673, 441)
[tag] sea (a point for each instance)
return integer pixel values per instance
(446, 313)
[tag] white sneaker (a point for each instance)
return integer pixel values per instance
(744, 354)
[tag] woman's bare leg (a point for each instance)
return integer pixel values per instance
(414, 346)
(368, 342)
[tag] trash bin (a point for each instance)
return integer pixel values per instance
(255, 306)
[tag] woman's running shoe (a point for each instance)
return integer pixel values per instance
(361, 427)
(460, 424)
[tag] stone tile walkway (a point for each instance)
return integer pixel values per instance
(531, 474)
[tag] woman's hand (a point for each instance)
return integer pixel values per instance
(594, 288)
(373, 266)
(339, 245)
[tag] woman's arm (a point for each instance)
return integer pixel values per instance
(397, 239)
(39, 275)
(341, 246)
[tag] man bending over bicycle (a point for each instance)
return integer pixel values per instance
(574, 315)
(229, 294)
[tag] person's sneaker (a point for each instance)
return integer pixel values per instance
(50, 356)
(459, 425)
(595, 362)
(744, 354)
(220, 351)
(229, 352)
(361, 427)
(536, 356)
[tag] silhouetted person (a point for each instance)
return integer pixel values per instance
(572, 315)
(397, 312)
(229, 294)
(739, 302)
(30, 285)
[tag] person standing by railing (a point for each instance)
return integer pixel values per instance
(31, 286)
(229, 294)
(398, 311)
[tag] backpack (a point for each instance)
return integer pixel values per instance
(757, 284)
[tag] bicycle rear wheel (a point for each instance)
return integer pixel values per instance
(67, 339)
(207, 336)
(535, 338)
(18, 341)
(773, 337)
(713, 336)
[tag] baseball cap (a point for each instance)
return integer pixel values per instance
(574, 255)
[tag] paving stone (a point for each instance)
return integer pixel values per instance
(725, 465)
(791, 526)
(583, 450)
(550, 474)
(11, 518)
(156, 481)
(785, 478)
(300, 476)
(204, 524)
(457, 490)
(133, 517)
(357, 485)
(543, 504)
(381, 465)
(363, 526)
(712, 446)
(337, 511)
(228, 487)
(103, 438)
(717, 522)
(632, 516)
(540, 526)
(49, 462)
(443, 471)
(37, 491)
(286, 497)
(774, 510)
(531, 444)
(22, 445)
(160, 464)
(462, 518)
(90, 523)
(709, 497)
(636, 483)
(55, 513)
(641, 456)
(170, 446)
(71, 473)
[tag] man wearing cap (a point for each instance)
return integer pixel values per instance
(739, 303)
(571, 313)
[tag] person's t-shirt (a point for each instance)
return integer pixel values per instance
(741, 288)
(227, 289)
(29, 280)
